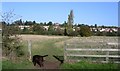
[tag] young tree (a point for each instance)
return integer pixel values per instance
(70, 22)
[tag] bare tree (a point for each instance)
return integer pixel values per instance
(11, 42)
(9, 17)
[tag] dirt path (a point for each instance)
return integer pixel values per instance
(50, 65)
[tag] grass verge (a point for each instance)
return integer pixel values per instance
(89, 65)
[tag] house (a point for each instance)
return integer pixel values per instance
(46, 27)
(104, 29)
(22, 27)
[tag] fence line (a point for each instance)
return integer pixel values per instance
(29, 49)
(107, 54)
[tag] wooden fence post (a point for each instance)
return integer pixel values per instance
(65, 53)
(107, 57)
(29, 49)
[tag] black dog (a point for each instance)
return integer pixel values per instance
(38, 59)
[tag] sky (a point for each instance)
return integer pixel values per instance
(90, 13)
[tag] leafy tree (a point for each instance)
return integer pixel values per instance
(51, 30)
(59, 31)
(95, 25)
(34, 22)
(45, 24)
(37, 29)
(41, 24)
(65, 24)
(29, 23)
(18, 22)
(25, 31)
(65, 31)
(70, 32)
(49, 23)
(85, 31)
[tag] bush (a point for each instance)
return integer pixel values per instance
(85, 31)
(111, 34)
(70, 32)
(59, 31)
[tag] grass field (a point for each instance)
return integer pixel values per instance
(88, 65)
(53, 45)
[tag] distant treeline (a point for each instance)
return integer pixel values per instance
(63, 29)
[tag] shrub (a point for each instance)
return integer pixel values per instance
(85, 31)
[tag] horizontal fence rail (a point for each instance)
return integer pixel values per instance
(83, 49)
(115, 56)
(107, 53)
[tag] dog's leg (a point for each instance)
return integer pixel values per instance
(39, 63)
(34, 63)
(42, 64)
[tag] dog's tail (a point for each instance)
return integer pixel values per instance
(44, 55)
(61, 61)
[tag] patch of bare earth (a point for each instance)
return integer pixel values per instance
(49, 65)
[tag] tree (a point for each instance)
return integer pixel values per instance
(34, 22)
(70, 32)
(85, 31)
(18, 22)
(69, 28)
(51, 30)
(37, 29)
(65, 28)
(95, 25)
(70, 19)
(59, 31)
(44, 24)
(41, 24)
(49, 23)
(26, 23)
(11, 42)
(65, 31)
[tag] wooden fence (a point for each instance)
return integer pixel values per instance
(109, 53)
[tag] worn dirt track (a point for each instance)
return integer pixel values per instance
(49, 65)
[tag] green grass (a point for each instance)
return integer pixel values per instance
(88, 65)
(17, 65)
(0, 64)
(48, 47)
